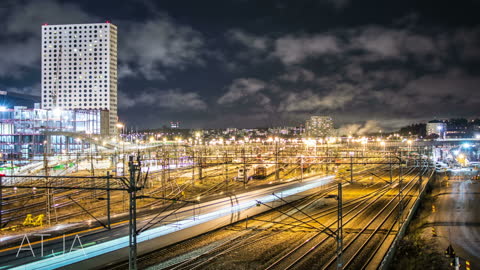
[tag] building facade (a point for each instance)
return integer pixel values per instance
(436, 127)
(319, 127)
(26, 133)
(79, 69)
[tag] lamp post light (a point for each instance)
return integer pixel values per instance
(382, 143)
(351, 166)
(440, 133)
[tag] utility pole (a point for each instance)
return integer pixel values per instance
(92, 171)
(204, 159)
(226, 173)
(339, 234)
(277, 173)
(132, 223)
(164, 175)
(391, 172)
(400, 199)
(301, 168)
(47, 191)
(176, 155)
(193, 166)
(351, 168)
(108, 202)
(421, 174)
(244, 168)
(200, 166)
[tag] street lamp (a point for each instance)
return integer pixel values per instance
(439, 128)
(121, 127)
(382, 143)
(364, 142)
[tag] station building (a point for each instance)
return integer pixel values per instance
(27, 132)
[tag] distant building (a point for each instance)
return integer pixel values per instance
(436, 127)
(79, 69)
(174, 125)
(458, 128)
(319, 127)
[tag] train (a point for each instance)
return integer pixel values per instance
(248, 173)
(257, 171)
(263, 171)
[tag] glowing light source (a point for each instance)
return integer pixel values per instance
(466, 145)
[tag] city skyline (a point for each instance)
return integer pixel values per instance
(239, 134)
(276, 64)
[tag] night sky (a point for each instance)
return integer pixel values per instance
(260, 63)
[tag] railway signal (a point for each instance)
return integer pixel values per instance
(449, 252)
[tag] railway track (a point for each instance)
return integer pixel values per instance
(264, 231)
(385, 220)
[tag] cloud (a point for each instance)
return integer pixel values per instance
(365, 44)
(149, 48)
(378, 41)
(388, 43)
(467, 42)
(125, 70)
(242, 88)
(349, 129)
(292, 49)
(297, 74)
(21, 32)
(18, 57)
(248, 40)
(160, 43)
(338, 4)
(374, 126)
(356, 129)
(28, 16)
(454, 89)
(308, 100)
(174, 100)
(33, 90)
(405, 73)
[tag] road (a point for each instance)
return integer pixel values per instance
(457, 218)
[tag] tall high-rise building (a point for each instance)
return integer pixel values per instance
(319, 127)
(79, 69)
